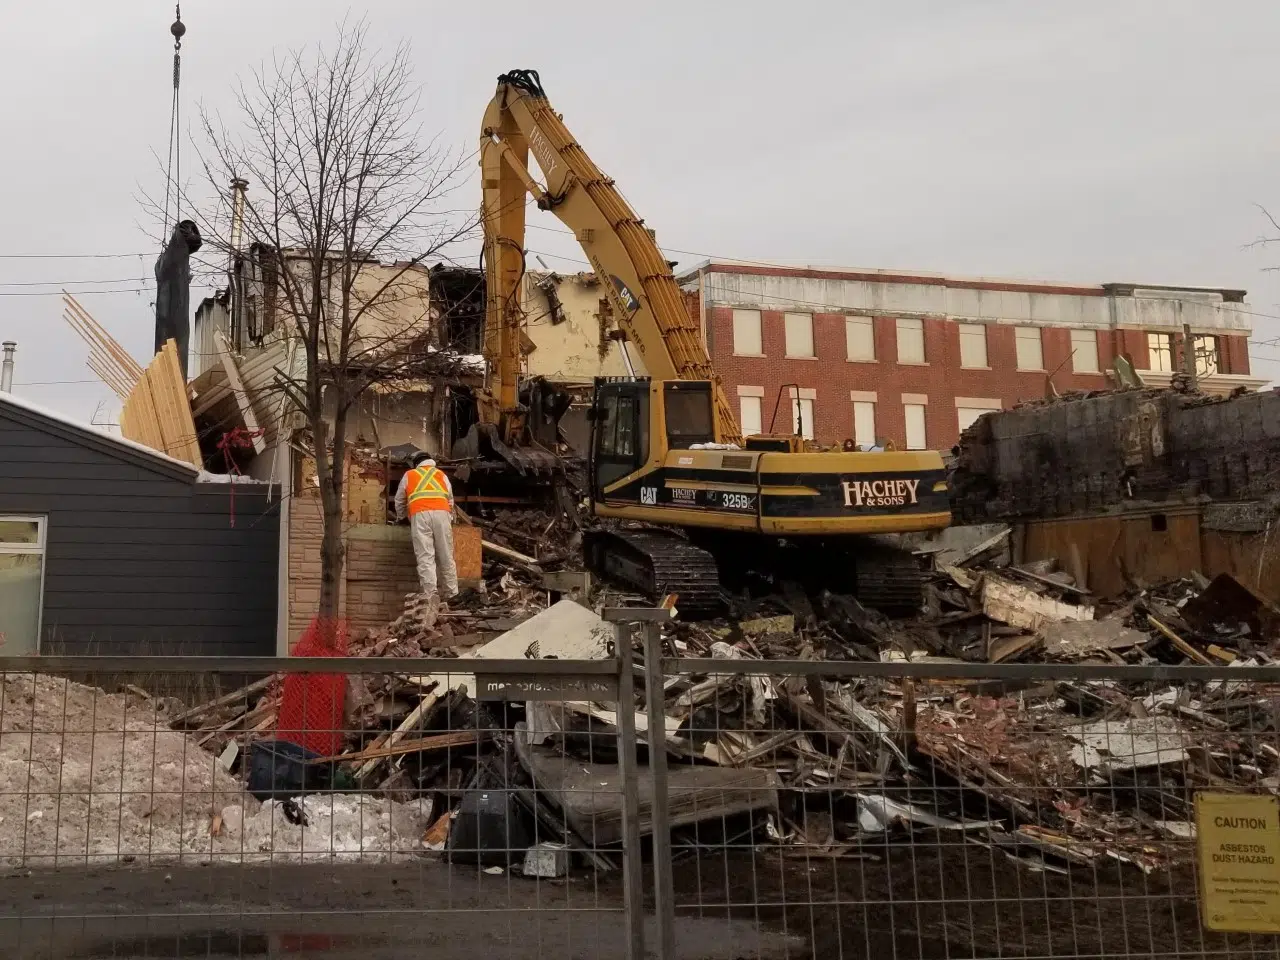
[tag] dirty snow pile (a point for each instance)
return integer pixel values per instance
(88, 777)
(338, 828)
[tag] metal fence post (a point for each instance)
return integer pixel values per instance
(663, 886)
(632, 865)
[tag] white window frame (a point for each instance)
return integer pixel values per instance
(865, 406)
(1075, 351)
(924, 425)
(737, 352)
(792, 321)
(1205, 368)
(38, 548)
(805, 395)
(973, 340)
(914, 326)
(974, 405)
(1023, 335)
(1164, 349)
(758, 401)
(859, 323)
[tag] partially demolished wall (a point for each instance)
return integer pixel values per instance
(1077, 456)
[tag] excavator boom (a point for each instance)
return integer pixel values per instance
(638, 279)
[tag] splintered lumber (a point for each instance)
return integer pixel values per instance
(443, 741)
(252, 716)
(243, 694)
(110, 361)
(409, 722)
(1183, 647)
(513, 555)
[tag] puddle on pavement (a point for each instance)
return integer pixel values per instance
(216, 943)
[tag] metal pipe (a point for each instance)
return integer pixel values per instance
(660, 815)
(239, 187)
(6, 368)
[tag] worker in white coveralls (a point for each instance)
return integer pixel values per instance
(426, 498)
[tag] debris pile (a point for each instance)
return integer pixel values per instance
(1051, 773)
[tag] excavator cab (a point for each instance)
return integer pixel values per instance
(634, 421)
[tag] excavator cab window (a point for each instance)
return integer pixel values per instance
(620, 431)
(689, 413)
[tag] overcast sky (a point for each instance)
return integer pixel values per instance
(1083, 141)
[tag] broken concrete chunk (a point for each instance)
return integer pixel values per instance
(1022, 606)
(1112, 746)
(1071, 639)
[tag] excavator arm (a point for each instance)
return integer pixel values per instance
(638, 279)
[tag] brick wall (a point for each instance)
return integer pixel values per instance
(941, 378)
(379, 570)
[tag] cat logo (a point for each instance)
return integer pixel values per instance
(649, 496)
(629, 302)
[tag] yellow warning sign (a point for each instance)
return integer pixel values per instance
(1238, 838)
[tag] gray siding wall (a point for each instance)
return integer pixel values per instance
(139, 558)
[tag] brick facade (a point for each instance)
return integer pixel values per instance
(941, 378)
(379, 570)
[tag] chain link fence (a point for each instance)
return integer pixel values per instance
(394, 808)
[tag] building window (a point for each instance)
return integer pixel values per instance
(802, 415)
(750, 420)
(969, 409)
(746, 333)
(910, 340)
(1160, 352)
(1208, 360)
(21, 583)
(1030, 350)
(973, 345)
(914, 415)
(860, 338)
(799, 334)
(1084, 351)
(802, 411)
(864, 423)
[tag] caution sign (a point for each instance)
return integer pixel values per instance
(1238, 838)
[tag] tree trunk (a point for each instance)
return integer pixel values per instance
(329, 473)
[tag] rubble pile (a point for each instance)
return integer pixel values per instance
(1050, 773)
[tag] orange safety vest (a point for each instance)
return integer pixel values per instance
(426, 489)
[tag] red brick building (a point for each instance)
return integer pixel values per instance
(876, 356)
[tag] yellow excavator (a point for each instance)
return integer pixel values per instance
(666, 450)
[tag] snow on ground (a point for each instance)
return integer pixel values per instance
(88, 777)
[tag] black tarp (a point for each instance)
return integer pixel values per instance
(173, 289)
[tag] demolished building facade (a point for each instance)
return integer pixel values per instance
(1136, 485)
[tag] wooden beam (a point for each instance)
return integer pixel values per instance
(238, 390)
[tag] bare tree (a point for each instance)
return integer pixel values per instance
(346, 205)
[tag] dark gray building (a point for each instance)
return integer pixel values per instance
(108, 547)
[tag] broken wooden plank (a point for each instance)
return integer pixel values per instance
(515, 556)
(1185, 648)
(443, 741)
(413, 719)
(240, 392)
(244, 693)
(979, 549)
(1049, 581)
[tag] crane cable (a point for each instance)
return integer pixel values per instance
(177, 28)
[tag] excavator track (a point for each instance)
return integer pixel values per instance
(656, 563)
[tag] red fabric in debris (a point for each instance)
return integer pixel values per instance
(311, 708)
